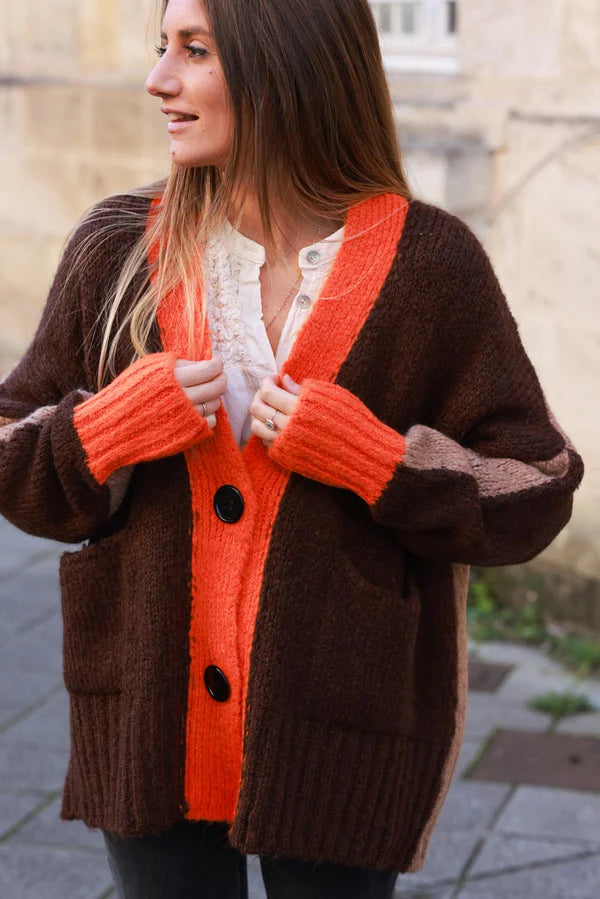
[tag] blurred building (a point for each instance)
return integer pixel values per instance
(498, 111)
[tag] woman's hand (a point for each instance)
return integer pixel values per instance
(270, 399)
(202, 382)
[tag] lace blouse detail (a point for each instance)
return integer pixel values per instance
(227, 330)
(232, 289)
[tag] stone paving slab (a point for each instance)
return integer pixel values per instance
(25, 602)
(506, 653)
(491, 839)
(448, 854)
(32, 651)
(470, 805)
(8, 710)
(504, 853)
(50, 629)
(47, 828)
(534, 672)
(19, 550)
(585, 723)
(567, 815)
(14, 808)
(25, 686)
(486, 677)
(468, 751)
(485, 712)
(531, 680)
(32, 565)
(32, 767)
(46, 725)
(469, 809)
(32, 872)
(577, 879)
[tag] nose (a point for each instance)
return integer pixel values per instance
(162, 79)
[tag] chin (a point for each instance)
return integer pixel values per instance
(181, 156)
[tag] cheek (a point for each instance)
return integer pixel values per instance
(212, 100)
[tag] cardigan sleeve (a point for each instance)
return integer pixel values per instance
(66, 453)
(488, 479)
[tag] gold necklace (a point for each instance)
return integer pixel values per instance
(292, 289)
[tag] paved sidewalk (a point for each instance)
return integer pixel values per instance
(494, 839)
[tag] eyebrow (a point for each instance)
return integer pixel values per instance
(189, 32)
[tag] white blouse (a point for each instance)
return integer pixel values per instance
(234, 308)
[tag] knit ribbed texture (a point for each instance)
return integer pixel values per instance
(317, 763)
(143, 414)
(222, 631)
(340, 626)
(334, 438)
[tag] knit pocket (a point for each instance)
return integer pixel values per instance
(364, 648)
(90, 583)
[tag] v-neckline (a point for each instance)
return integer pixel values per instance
(373, 229)
(238, 244)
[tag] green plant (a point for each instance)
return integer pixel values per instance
(577, 652)
(561, 704)
(489, 619)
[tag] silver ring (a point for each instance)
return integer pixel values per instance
(269, 422)
(203, 409)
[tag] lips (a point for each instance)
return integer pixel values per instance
(178, 115)
(175, 127)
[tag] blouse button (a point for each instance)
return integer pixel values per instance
(313, 256)
(303, 300)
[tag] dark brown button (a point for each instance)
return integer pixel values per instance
(228, 503)
(216, 683)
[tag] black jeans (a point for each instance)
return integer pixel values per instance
(194, 860)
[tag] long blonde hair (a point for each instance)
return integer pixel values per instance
(312, 119)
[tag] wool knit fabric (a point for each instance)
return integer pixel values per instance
(276, 637)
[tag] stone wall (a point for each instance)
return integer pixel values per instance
(511, 144)
(77, 125)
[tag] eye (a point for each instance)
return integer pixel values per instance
(197, 52)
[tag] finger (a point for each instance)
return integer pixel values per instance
(211, 420)
(289, 384)
(198, 393)
(261, 430)
(275, 396)
(262, 411)
(205, 408)
(191, 373)
(182, 362)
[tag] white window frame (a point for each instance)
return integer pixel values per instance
(430, 49)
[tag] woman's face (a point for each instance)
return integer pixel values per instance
(188, 79)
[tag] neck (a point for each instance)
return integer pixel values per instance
(293, 229)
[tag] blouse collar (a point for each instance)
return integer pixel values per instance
(246, 248)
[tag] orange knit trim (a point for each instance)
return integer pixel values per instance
(228, 559)
(142, 414)
(333, 437)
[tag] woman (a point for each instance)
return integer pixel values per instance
(287, 406)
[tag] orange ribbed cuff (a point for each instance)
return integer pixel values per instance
(333, 437)
(143, 414)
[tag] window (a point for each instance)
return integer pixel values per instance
(400, 17)
(451, 17)
(418, 35)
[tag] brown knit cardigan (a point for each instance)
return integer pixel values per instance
(276, 637)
